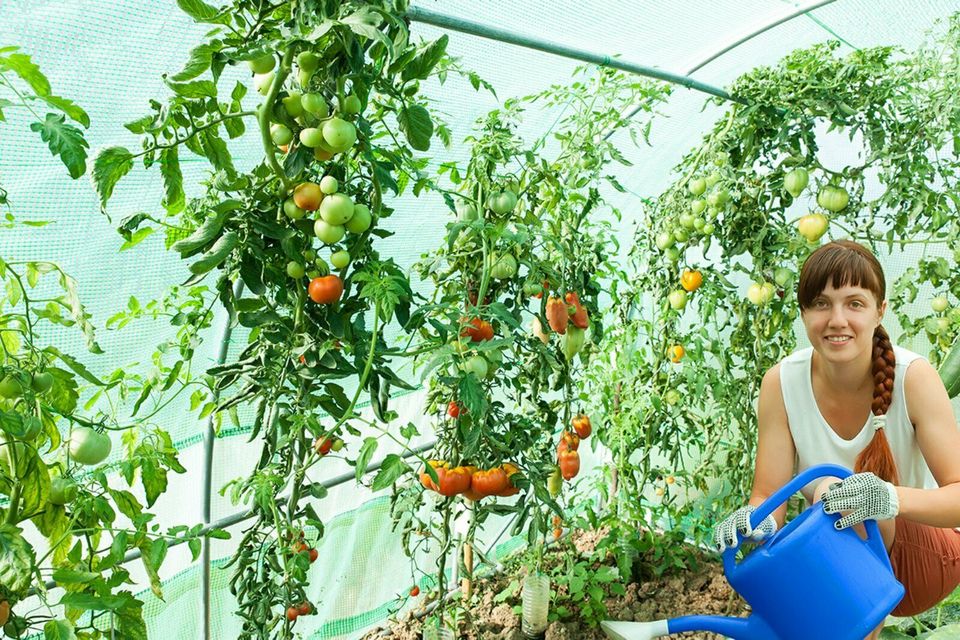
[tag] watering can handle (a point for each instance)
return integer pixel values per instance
(783, 494)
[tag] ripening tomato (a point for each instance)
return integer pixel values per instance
(322, 445)
(569, 462)
(454, 409)
(511, 489)
(415, 591)
(477, 330)
(691, 280)
(558, 316)
(568, 442)
(581, 424)
(325, 289)
(676, 353)
(304, 608)
(579, 318)
(490, 482)
(307, 196)
(292, 613)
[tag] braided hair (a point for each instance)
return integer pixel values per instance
(842, 263)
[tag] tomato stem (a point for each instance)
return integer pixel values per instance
(263, 117)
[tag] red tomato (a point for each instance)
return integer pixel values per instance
(454, 409)
(292, 613)
(415, 591)
(477, 330)
(325, 289)
(322, 445)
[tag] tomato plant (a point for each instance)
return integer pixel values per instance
(341, 85)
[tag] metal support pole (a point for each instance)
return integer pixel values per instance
(418, 14)
(208, 439)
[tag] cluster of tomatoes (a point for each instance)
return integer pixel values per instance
(568, 459)
(469, 481)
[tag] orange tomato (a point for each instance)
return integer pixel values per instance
(454, 409)
(581, 424)
(477, 330)
(676, 353)
(691, 280)
(579, 318)
(490, 482)
(322, 445)
(307, 196)
(557, 315)
(415, 591)
(325, 289)
(509, 469)
(569, 462)
(568, 442)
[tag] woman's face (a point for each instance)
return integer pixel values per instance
(840, 322)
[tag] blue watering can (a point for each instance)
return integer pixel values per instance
(807, 581)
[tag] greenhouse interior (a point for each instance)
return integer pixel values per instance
(402, 319)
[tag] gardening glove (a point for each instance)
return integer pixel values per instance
(865, 496)
(725, 533)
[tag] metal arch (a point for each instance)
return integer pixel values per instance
(452, 23)
(736, 43)
(753, 34)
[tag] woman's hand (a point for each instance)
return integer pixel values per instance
(725, 533)
(865, 496)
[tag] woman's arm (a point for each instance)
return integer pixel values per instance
(936, 427)
(775, 449)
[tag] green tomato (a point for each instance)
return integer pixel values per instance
(664, 240)
(89, 447)
(697, 207)
(280, 134)
(291, 209)
(708, 229)
(718, 198)
(336, 208)
(262, 81)
(466, 211)
(672, 396)
(10, 388)
(677, 299)
(699, 224)
(304, 77)
(477, 365)
(329, 185)
(264, 64)
(351, 105)
(782, 276)
(502, 202)
(360, 220)
(532, 288)
(292, 105)
(796, 181)
(31, 427)
(295, 270)
(340, 259)
(681, 235)
(411, 88)
(339, 134)
(697, 186)
(315, 104)
(504, 267)
(939, 304)
(686, 220)
(309, 255)
(313, 273)
(41, 382)
(311, 137)
(63, 491)
(833, 198)
(308, 61)
(328, 233)
(712, 179)
(672, 254)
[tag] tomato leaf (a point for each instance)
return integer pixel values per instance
(392, 468)
(110, 165)
(363, 458)
(174, 198)
(202, 12)
(73, 111)
(215, 150)
(59, 630)
(137, 237)
(416, 124)
(154, 480)
(366, 22)
(29, 72)
(64, 140)
(195, 89)
(69, 576)
(76, 366)
(426, 59)
(199, 61)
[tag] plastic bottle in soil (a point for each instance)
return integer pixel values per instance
(536, 603)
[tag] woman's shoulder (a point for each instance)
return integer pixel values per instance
(904, 356)
(800, 356)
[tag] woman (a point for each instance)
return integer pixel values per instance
(856, 400)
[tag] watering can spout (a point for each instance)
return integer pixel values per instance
(752, 628)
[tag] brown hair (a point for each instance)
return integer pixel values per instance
(843, 263)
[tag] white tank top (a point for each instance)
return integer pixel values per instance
(817, 443)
